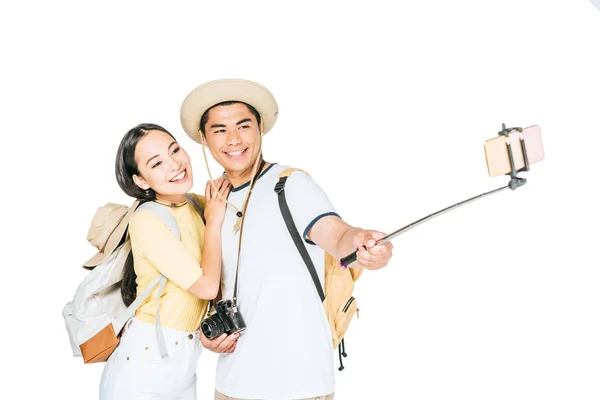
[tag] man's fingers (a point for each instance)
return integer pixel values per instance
(231, 348)
(366, 239)
(370, 242)
(381, 249)
(212, 344)
(226, 344)
(365, 258)
(377, 235)
(370, 264)
(221, 344)
(375, 257)
(207, 190)
(372, 238)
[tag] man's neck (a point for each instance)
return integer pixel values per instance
(238, 179)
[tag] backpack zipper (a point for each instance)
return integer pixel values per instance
(348, 304)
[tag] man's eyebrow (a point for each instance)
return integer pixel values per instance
(237, 123)
(157, 155)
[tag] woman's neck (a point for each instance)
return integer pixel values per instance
(172, 200)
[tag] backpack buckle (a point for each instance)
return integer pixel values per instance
(279, 186)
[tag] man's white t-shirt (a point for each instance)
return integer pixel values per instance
(286, 352)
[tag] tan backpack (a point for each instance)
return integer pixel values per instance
(340, 305)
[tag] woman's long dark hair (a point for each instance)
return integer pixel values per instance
(125, 168)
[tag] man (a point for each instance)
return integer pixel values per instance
(286, 350)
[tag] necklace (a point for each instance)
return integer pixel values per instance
(172, 205)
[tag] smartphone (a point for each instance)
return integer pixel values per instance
(496, 151)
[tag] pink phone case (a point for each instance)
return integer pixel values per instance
(496, 152)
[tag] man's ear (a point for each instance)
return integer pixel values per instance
(140, 182)
(203, 138)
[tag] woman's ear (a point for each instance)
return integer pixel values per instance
(140, 182)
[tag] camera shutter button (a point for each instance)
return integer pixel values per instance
(190, 336)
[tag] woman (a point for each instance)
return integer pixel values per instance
(152, 166)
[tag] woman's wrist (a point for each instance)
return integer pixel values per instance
(213, 227)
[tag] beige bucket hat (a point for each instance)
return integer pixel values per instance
(214, 92)
(107, 229)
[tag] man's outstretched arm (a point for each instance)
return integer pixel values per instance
(339, 239)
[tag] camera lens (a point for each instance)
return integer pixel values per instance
(212, 328)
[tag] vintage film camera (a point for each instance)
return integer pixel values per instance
(226, 319)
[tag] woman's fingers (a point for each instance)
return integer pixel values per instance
(208, 191)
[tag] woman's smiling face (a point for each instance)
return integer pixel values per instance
(164, 167)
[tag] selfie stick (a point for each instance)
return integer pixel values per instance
(514, 183)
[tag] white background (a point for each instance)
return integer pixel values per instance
(388, 109)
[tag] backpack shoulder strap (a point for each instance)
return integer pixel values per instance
(127, 313)
(168, 219)
(197, 204)
(288, 171)
(163, 214)
(289, 222)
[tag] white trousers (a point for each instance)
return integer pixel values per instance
(136, 371)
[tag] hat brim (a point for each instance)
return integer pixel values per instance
(113, 240)
(211, 93)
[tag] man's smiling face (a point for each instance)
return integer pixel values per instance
(232, 135)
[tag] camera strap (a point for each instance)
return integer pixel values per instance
(245, 207)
